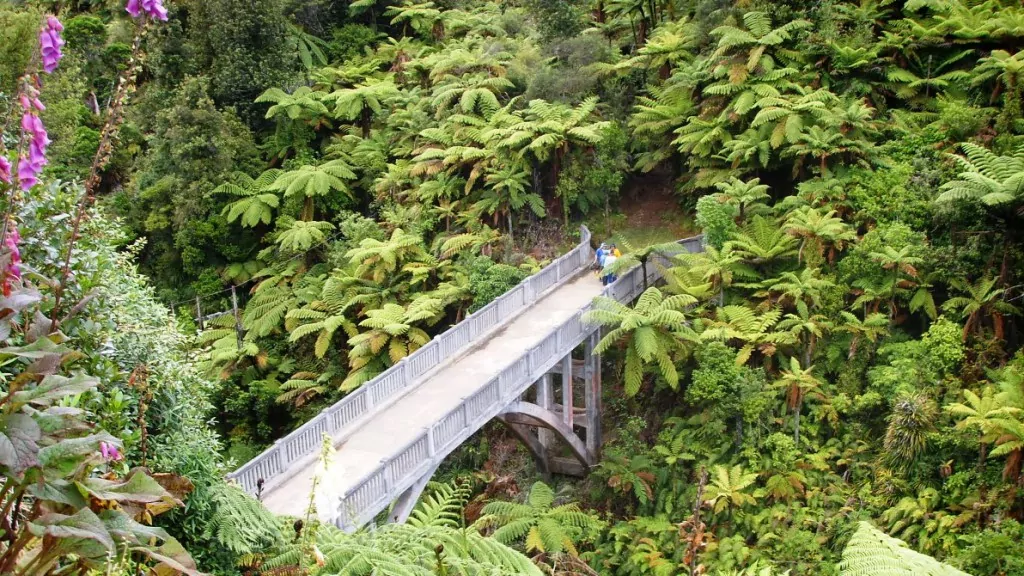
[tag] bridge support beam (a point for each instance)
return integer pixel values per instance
(542, 425)
(407, 500)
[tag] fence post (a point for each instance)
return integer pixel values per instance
(431, 448)
(238, 321)
(199, 313)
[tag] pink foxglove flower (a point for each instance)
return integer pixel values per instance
(50, 43)
(109, 452)
(28, 172)
(5, 170)
(29, 167)
(153, 8)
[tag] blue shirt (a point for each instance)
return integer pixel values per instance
(601, 253)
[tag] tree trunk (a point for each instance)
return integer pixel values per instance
(643, 265)
(307, 209)
(366, 116)
(796, 425)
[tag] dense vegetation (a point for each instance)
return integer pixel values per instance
(222, 216)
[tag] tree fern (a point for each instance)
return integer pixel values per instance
(871, 552)
(240, 523)
(538, 523)
(399, 550)
(441, 505)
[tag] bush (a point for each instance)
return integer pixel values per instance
(488, 280)
(715, 219)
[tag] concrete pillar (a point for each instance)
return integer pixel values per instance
(545, 399)
(592, 394)
(567, 414)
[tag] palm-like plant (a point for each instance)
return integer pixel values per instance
(653, 331)
(728, 488)
(432, 542)
(902, 276)
(761, 243)
(548, 131)
(924, 79)
(751, 45)
(871, 328)
(311, 181)
(255, 205)
(423, 17)
(1007, 71)
(655, 118)
(792, 289)
(980, 300)
(392, 336)
(541, 526)
(871, 552)
(747, 330)
(303, 104)
(743, 195)
(475, 93)
(982, 413)
(789, 115)
(362, 102)
(671, 43)
(507, 191)
(911, 420)
(807, 328)
(994, 182)
(322, 317)
(300, 235)
(719, 267)
(376, 260)
(820, 230)
(632, 256)
(798, 383)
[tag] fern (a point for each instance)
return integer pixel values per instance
(871, 552)
(400, 550)
(240, 523)
(441, 505)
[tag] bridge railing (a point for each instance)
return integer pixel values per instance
(376, 490)
(275, 463)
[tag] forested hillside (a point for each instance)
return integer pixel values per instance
(222, 216)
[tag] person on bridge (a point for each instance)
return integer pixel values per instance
(608, 277)
(599, 255)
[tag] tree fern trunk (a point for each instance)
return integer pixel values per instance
(796, 425)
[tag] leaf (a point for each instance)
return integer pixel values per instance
(82, 525)
(124, 528)
(37, 350)
(19, 448)
(59, 491)
(55, 387)
(139, 487)
(63, 458)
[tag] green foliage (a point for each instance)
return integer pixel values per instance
(488, 280)
(431, 542)
(241, 524)
(541, 526)
(653, 332)
(872, 552)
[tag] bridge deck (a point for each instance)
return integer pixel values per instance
(393, 425)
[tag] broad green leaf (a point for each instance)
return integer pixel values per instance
(19, 448)
(138, 488)
(55, 387)
(83, 525)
